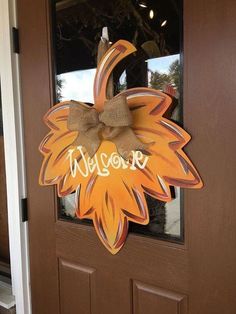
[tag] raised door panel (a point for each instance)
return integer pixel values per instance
(153, 300)
(76, 288)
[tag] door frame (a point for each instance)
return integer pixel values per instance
(9, 70)
(14, 158)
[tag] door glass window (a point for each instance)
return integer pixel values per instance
(155, 29)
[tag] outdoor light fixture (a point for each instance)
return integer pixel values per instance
(151, 14)
(164, 23)
(142, 4)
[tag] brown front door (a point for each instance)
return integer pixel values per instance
(184, 262)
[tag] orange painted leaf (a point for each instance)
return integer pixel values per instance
(109, 190)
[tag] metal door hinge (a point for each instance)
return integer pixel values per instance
(15, 38)
(24, 209)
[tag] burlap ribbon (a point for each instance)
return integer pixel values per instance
(113, 124)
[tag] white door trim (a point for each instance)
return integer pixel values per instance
(14, 158)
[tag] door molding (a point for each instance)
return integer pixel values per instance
(14, 158)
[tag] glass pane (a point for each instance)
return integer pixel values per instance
(154, 27)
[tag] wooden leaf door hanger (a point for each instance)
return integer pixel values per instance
(115, 152)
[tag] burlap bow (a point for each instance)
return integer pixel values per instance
(113, 124)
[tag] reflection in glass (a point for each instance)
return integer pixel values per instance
(77, 30)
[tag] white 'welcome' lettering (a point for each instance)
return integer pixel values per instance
(102, 163)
